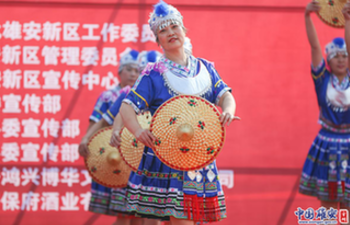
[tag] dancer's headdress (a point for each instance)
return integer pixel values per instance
(129, 56)
(163, 15)
(335, 46)
(146, 57)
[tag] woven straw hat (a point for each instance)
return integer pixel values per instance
(104, 162)
(189, 132)
(331, 12)
(130, 149)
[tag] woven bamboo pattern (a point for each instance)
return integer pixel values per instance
(130, 149)
(189, 132)
(104, 162)
(330, 12)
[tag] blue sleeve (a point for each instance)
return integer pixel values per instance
(141, 94)
(219, 86)
(100, 107)
(112, 112)
(319, 74)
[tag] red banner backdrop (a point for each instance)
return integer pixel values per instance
(58, 56)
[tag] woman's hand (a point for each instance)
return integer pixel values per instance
(226, 118)
(115, 140)
(83, 148)
(145, 137)
(346, 11)
(313, 6)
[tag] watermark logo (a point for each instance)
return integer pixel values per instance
(343, 216)
(322, 216)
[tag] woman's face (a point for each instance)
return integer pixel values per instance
(338, 64)
(128, 75)
(171, 37)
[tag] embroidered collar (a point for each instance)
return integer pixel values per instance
(181, 71)
(199, 85)
(343, 85)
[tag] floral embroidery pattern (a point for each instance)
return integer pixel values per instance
(158, 67)
(93, 169)
(184, 149)
(210, 150)
(335, 20)
(172, 121)
(340, 86)
(102, 150)
(134, 143)
(331, 2)
(157, 142)
(192, 102)
(344, 128)
(201, 124)
(117, 171)
(179, 70)
(160, 175)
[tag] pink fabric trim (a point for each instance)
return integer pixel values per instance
(158, 67)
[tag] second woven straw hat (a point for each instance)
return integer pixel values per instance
(331, 12)
(188, 131)
(130, 149)
(104, 162)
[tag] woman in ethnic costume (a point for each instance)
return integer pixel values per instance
(101, 197)
(112, 117)
(155, 190)
(325, 168)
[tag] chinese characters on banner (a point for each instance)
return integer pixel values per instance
(43, 64)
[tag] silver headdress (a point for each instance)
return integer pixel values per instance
(146, 57)
(163, 15)
(129, 56)
(335, 46)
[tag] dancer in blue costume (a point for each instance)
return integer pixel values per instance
(346, 104)
(155, 190)
(116, 196)
(325, 169)
(112, 116)
(128, 73)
